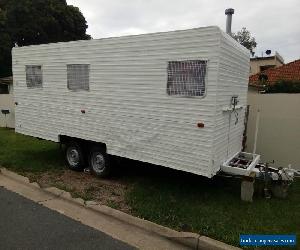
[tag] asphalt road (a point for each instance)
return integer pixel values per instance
(28, 225)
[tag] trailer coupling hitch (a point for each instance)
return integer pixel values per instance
(276, 180)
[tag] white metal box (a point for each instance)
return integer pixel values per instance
(246, 169)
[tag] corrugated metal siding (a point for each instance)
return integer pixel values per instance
(127, 106)
(233, 80)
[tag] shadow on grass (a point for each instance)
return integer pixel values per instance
(151, 175)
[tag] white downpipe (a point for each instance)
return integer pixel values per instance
(228, 137)
(256, 130)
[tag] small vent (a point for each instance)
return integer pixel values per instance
(78, 76)
(186, 78)
(34, 78)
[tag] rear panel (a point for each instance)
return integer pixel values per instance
(233, 80)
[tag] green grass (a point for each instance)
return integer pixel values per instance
(27, 154)
(172, 198)
(212, 207)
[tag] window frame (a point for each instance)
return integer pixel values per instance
(205, 79)
(42, 78)
(88, 73)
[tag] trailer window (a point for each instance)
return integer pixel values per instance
(78, 76)
(34, 78)
(186, 78)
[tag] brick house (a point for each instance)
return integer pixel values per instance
(259, 64)
(289, 71)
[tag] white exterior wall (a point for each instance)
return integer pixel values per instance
(7, 102)
(127, 106)
(233, 80)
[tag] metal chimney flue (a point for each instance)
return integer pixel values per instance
(229, 12)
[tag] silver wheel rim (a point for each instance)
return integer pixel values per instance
(98, 162)
(73, 156)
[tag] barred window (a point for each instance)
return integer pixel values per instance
(78, 76)
(34, 78)
(186, 78)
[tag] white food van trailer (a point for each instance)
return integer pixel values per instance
(175, 99)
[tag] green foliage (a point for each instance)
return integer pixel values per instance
(244, 38)
(5, 45)
(283, 86)
(30, 22)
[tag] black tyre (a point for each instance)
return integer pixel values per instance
(98, 162)
(74, 156)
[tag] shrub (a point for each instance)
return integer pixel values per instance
(283, 86)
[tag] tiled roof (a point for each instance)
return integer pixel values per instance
(289, 71)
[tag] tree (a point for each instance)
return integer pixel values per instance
(244, 38)
(30, 22)
(5, 46)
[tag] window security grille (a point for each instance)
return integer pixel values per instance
(186, 78)
(34, 78)
(78, 76)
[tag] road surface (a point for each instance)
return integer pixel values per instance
(27, 225)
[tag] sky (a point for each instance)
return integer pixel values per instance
(275, 24)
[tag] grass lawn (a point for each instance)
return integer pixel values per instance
(213, 207)
(172, 198)
(23, 154)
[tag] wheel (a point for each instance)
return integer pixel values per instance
(74, 156)
(98, 162)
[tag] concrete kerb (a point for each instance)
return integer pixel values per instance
(191, 240)
(188, 239)
(64, 195)
(13, 175)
